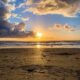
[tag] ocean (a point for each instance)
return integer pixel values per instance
(42, 44)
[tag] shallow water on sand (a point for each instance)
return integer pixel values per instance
(40, 64)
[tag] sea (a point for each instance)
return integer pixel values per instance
(40, 44)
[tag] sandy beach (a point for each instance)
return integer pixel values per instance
(40, 64)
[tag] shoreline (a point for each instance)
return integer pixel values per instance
(38, 47)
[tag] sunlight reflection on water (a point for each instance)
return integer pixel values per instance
(38, 45)
(38, 56)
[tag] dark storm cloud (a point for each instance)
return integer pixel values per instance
(10, 30)
(3, 10)
(7, 29)
(4, 25)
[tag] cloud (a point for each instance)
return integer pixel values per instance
(5, 28)
(11, 1)
(68, 28)
(66, 8)
(5, 1)
(14, 15)
(20, 27)
(11, 30)
(6, 10)
(21, 5)
(25, 19)
(7, 16)
(60, 27)
(3, 10)
(10, 7)
(57, 26)
(8, 29)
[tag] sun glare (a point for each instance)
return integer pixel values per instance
(38, 46)
(39, 34)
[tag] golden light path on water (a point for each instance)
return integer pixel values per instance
(38, 45)
(37, 57)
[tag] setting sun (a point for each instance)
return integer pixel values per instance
(39, 34)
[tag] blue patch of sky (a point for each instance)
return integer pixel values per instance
(47, 20)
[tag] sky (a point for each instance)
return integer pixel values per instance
(55, 19)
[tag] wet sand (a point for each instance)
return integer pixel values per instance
(40, 64)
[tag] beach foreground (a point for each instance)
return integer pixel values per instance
(40, 64)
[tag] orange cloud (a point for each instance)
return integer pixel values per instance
(61, 27)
